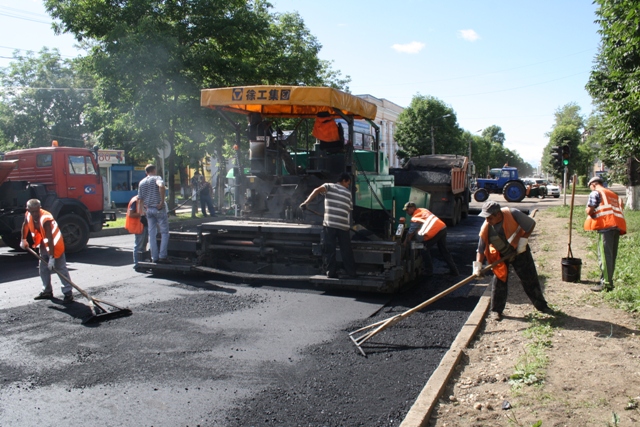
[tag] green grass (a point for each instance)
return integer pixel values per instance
(119, 222)
(626, 294)
(530, 369)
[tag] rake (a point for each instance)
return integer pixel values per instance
(99, 312)
(376, 328)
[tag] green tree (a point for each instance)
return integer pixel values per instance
(152, 58)
(613, 84)
(44, 99)
(494, 134)
(415, 125)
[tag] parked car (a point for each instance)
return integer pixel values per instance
(552, 189)
(534, 188)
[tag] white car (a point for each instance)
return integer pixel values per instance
(553, 190)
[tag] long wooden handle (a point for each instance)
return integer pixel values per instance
(77, 288)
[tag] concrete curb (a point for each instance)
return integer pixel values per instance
(420, 412)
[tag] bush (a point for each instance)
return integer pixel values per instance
(582, 181)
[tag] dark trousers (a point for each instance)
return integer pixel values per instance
(331, 235)
(439, 239)
(525, 268)
(206, 202)
(607, 253)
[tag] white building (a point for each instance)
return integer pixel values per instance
(386, 119)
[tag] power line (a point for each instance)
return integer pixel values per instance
(16, 13)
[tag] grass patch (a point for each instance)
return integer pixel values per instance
(530, 369)
(626, 293)
(119, 222)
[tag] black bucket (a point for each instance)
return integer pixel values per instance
(571, 269)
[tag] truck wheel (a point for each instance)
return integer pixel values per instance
(514, 191)
(481, 195)
(75, 232)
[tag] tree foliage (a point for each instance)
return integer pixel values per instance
(567, 130)
(614, 83)
(44, 98)
(152, 58)
(494, 134)
(414, 127)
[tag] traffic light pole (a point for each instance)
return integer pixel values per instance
(564, 186)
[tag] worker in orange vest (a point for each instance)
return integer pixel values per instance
(604, 215)
(430, 229)
(505, 234)
(47, 237)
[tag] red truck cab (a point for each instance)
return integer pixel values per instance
(68, 183)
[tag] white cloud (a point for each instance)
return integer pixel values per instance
(468, 35)
(413, 47)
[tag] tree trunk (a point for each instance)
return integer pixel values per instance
(633, 190)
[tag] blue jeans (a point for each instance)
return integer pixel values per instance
(158, 219)
(45, 273)
(140, 245)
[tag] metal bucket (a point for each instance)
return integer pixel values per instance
(571, 269)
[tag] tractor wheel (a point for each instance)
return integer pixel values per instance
(75, 232)
(514, 191)
(481, 195)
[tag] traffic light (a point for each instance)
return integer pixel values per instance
(566, 154)
(556, 155)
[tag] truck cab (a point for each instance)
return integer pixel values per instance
(67, 182)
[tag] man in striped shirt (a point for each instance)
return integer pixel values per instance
(338, 205)
(151, 191)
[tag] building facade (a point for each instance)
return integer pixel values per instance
(386, 119)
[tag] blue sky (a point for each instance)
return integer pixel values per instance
(511, 63)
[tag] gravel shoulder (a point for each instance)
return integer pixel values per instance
(592, 375)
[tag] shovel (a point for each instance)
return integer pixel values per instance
(380, 326)
(99, 313)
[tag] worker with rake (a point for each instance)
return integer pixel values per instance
(47, 236)
(505, 234)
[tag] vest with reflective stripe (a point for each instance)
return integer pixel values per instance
(608, 214)
(326, 129)
(431, 224)
(40, 237)
(511, 230)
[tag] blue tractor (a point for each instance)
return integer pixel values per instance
(502, 180)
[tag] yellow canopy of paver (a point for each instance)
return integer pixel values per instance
(287, 101)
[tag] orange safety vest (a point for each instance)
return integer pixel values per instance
(431, 224)
(325, 129)
(133, 225)
(608, 214)
(511, 230)
(39, 236)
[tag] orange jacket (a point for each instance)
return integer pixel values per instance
(325, 129)
(608, 214)
(40, 237)
(511, 231)
(431, 224)
(133, 224)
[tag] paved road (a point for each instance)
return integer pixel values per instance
(201, 352)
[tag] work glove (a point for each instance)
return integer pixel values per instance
(52, 262)
(522, 245)
(24, 244)
(303, 206)
(477, 269)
